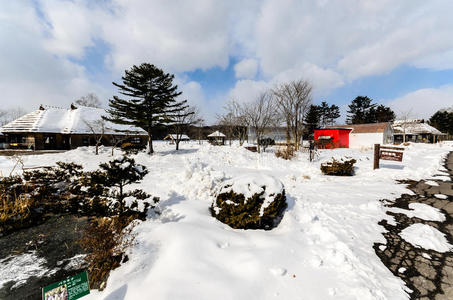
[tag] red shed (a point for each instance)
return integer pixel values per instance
(332, 138)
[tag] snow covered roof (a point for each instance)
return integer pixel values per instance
(216, 134)
(175, 136)
(363, 128)
(74, 121)
(414, 127)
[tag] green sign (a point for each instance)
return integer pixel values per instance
(71, 288)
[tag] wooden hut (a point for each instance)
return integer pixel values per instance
(416, 131)
(217, 138)
(63, 129)
(172, 138)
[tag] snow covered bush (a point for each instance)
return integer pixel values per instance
(285, 152)
(54, 187)
(342, 167)
(250, 202)
(105, 189)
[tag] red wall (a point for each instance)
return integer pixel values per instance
(340, 137)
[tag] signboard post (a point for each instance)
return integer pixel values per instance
(70, 288)
(386, 153)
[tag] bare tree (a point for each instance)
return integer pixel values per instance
(405, 117)
(233, 122)
(260, 115)
(97, 128)
(117, 140)
(89, 100)
(188, 116)
(3, 117)
(293, 100)
(199, 125)
(9, 115)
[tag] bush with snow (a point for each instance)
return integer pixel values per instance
(250, 202)
(341, 167)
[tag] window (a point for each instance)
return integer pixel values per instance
(136, 140)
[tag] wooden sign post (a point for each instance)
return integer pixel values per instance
(376, 156)
(386, 153)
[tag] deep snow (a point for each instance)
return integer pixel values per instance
(322, 249)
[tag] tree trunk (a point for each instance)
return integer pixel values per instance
(150, 144)
(258, 137)
(177, 144)
(97, 148)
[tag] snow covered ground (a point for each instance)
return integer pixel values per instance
(322, 249)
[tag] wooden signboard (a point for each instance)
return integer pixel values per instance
(391, 155)
(387, 153)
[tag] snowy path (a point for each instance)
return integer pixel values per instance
(322, 249)
(419, 243)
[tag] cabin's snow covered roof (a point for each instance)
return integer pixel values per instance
(363, 128)
(74, 121)
(175, 136)
(414, 127)
(216, 134)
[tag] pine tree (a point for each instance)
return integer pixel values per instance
(312, 119)
(332, 114)
(105, 188)
(443, 121)
(152, 100)
(359, 108)
(362, 111)
(384, 114)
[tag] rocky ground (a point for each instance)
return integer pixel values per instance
(427, 273)
(55, 243)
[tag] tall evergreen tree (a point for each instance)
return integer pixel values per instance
(382, 113)
(359, 109)
(152, 100)
(312, 119)
(443, 121)
(362, 110)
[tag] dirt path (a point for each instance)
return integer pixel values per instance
(428, 273)
(54, 243)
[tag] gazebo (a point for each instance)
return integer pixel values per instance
(217, 138)
(173, 137)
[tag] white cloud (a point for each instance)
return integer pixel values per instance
(176, 35)
(354, 37)
(322, 80)
(247, 90)
(246, 68)
(329, 43)
(29, 74)
(423, 103)
(71, 27)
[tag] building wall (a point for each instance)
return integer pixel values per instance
(388, 135)
(339, 138)
(360, 140)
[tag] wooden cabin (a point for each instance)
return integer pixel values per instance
(63, 129)
(217, 138)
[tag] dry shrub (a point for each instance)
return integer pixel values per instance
(17, 209)
(106, 240)
(342, 167)
(285, 152)
(244, 213)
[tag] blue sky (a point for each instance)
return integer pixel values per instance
(400, 54)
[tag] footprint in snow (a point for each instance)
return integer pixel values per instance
(223, 245)
(278, 271)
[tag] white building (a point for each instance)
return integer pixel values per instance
(366, 135)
